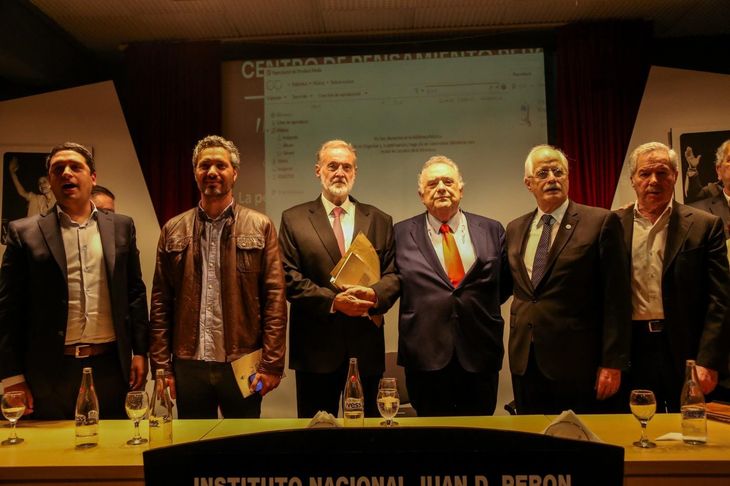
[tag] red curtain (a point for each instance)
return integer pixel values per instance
(171, 97)
(601, 72)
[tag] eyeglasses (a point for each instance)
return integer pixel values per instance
(545, 173)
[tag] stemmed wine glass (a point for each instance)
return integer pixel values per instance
(13, 407)
(388, 400)
(643, 406)
(136, 406)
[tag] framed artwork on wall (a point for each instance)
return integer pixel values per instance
(696, 150)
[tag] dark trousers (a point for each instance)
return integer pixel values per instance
(322, 391)
(653, 368)
(536, 394)
(452, 391)
(204, 386)
(111, 389)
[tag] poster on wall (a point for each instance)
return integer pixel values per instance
(697, 151)
(26, 189)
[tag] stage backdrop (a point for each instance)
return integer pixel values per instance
(90, 115)
(678, 105)
(484, 109)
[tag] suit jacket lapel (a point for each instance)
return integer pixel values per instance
(419, 234)
(321, 224)
(523, 229)
(105, 222)
(478, 236)
(626, 216)
(51, 230)
(679, 225)
(362, 219)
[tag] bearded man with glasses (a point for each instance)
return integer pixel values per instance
(571, 314)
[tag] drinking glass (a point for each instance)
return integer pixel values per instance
(388, 401)
(136, 406)
(13, 406)
(643, 406)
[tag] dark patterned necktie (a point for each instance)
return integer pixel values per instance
(543, 247)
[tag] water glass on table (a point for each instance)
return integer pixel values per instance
(388, 400)
(136, 406)
(643, 406)
(13, 407)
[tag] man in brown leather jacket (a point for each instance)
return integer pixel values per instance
(218, 294)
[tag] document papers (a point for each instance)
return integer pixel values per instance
(359, 265)
(243, 368)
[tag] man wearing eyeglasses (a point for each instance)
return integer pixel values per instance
(571, 314)
(329, 325)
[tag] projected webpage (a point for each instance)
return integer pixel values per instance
(483, 109)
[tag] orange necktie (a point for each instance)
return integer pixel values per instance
(452, 259)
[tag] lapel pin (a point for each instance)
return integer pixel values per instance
(568, 226)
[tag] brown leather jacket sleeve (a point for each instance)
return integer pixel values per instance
(273, 306)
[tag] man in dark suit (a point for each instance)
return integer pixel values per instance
(679, 281)
(454, 275)
(570, 318)
(719, 205)
(72, 296)
(329, 325)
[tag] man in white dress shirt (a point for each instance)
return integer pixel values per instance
(454, 275)
(72, 296)
(329, 325)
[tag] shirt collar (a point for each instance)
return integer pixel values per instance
(348, 206)
(454, 223)
(226, 213)
(666, 213)
(557, 214)
(66, 220)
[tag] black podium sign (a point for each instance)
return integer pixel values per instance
(400, 456)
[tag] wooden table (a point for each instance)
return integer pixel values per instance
(48, 453)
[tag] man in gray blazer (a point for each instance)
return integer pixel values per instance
(570, 317)
(454, 275)
(72, 296)
(679, 281)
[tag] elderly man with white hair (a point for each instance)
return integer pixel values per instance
(679, 280)
(454, 276)
(570, 317)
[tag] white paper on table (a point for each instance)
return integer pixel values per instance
(323, 420)
(568, 426)
(243, 367)
(670, 436)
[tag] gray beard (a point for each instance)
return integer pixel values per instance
(339, 190)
